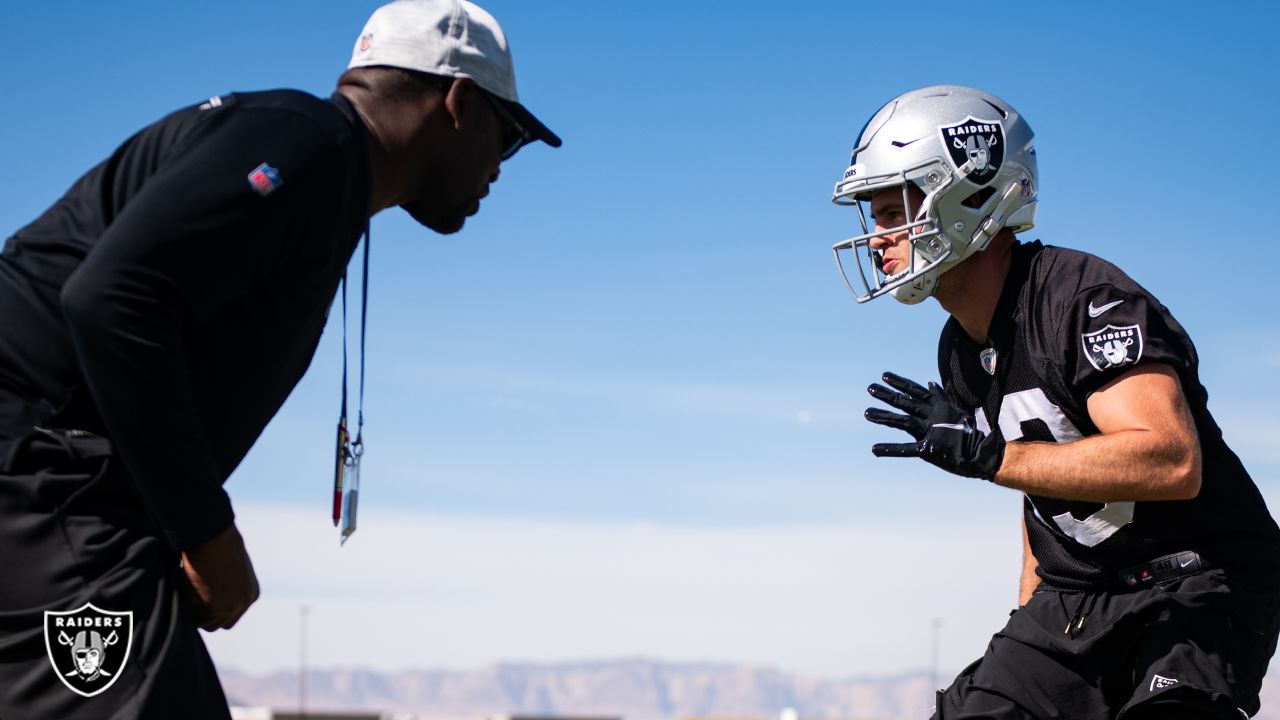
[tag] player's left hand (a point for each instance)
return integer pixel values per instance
(945, 434)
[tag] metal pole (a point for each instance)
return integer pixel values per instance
(933, 654)
(302, 660)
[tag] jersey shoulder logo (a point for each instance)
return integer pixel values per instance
(88, 647)
(1113, 346)
(1096, 310)
(980, 142)
(264, 179)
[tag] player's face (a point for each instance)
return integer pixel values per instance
(888, 211)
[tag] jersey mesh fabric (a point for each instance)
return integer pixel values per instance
(1044, 371)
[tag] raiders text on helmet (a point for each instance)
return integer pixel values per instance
(972, 156)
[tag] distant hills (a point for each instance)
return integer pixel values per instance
(635, 689)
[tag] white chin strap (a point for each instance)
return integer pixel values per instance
(917, 290)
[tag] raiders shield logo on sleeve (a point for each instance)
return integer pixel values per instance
(88, 647)
(1113, 346)
(980, 141)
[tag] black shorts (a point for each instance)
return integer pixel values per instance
(73, 531)
(1199, 643)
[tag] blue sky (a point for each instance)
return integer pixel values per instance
(643, 335)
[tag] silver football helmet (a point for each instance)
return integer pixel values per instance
(972, 157)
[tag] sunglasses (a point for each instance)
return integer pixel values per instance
(515, 136)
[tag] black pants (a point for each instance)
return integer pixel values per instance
(1193, 647)
(74, 531)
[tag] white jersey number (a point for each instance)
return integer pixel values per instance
(1033, 404)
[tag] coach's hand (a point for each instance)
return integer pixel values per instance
(220, 581)
(945, 434)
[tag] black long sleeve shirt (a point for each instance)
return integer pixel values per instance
(173, 298)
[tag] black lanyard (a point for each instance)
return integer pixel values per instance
(358, 445)
(349, 452)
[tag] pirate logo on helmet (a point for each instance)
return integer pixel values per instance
(88, 647)
(975, 147)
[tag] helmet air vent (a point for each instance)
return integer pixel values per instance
(1003, 113)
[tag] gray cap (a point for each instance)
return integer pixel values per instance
(450, 38)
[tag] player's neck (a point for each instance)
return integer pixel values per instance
(971, 290)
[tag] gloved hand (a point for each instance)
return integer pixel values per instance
(945, 435)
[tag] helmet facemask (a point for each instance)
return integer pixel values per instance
(931, 248)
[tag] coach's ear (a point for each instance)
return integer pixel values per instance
(463, 102)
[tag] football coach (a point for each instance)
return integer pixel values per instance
(156, 317)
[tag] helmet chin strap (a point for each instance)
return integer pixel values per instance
(994, 222)
(919, 288)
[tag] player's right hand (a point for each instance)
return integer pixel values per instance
(219, 580)
(945, 434)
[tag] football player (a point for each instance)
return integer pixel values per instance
(1151, 570)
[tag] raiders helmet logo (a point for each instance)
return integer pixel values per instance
(980, 142)
(88, 647)
(1113, 346)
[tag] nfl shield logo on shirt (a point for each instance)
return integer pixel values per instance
(264, 179)
(88, 647)
(1113, 346)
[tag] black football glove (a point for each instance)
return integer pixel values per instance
(945, 435)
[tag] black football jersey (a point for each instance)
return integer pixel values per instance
(1066, 324)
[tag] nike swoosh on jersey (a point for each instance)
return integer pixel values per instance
(1096, 311)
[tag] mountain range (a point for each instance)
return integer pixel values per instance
(634, 689)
